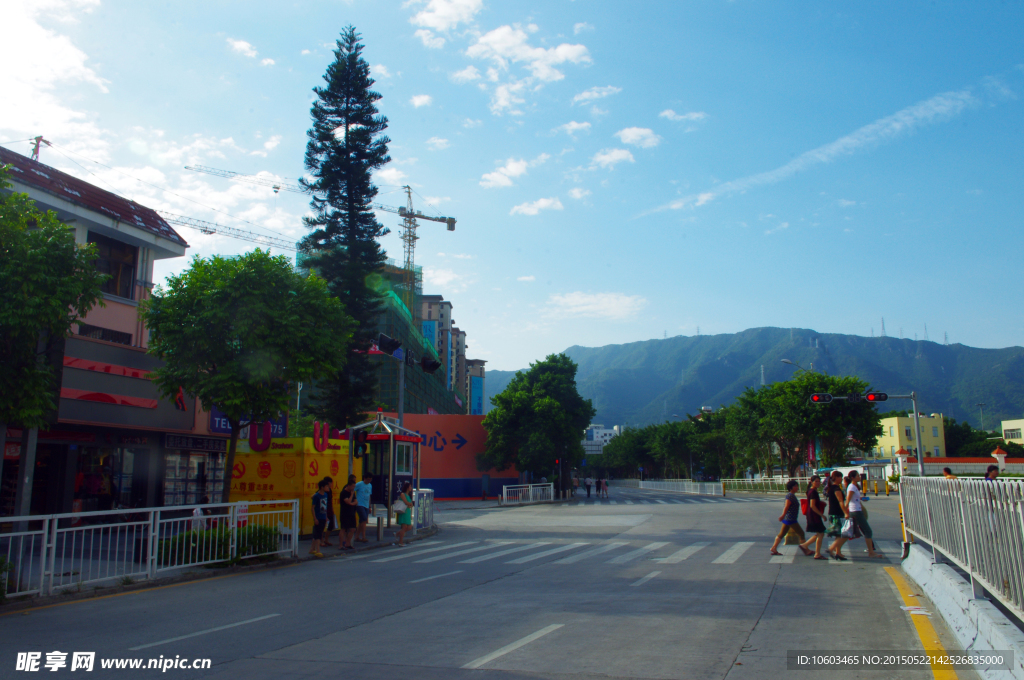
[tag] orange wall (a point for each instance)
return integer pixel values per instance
(444, 453)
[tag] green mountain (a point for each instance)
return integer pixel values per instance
(647, 382)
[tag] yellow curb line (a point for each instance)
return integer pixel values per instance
(925, 630)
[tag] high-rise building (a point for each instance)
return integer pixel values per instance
(475, 391)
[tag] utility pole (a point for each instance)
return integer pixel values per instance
(981, 407)
(762, 375)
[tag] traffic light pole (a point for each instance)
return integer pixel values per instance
(401, 391)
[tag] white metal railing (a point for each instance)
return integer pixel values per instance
(423, 510)
(764, 484)
(677, 485)
(976, 524)
(521, 494)
(71, 550)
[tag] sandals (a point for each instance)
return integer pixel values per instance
(821, 557)
(775, 552)
(806, 551)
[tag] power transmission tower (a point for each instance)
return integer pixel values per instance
(883, 327)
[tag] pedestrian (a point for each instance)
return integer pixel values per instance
(857, 514)
(815, 519)
(404, 518)
(347, 514)
(364, 491)
(587, 483)
(992, 473)
(947, 473)
(332, 520)
(319, 518)
(789, 517)
(575, 485)
(837, 512)
(199, 515)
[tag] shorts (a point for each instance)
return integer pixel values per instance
(364, 514)
(791, 526)
(862, 522)
(318, 529)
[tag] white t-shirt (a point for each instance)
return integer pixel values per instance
(855, 494)
(588, 481)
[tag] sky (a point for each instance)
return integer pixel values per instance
(619, 171)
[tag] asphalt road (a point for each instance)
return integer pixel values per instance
(643, 585)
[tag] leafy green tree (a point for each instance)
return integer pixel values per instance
(539, 418)
(346, 144)
(633, 448)
(235, 332)
(47, 284)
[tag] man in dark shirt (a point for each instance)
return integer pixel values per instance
(319, 518)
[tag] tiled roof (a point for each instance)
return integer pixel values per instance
(74, 190)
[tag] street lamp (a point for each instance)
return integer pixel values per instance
(793, 363)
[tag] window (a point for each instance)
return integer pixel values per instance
(891, 434)
(1012, 434)
(117, 260)
(894, 450)
(430, 315)
(403, 458)
(935, 431)
(906, 431)
(937, 454)
(97, 333)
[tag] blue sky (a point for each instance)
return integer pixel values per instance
(619, 171)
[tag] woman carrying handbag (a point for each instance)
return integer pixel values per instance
(837, 512)
(403, 512)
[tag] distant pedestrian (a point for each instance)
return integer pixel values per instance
(319, 518)
(815, 519)
(575, 485)
(857, 514)
(992, 473)
(347, 514)
(404, 518)
(789, 517)
(364, 491)
(837, 512)
(587, 483)
(604, 486)
(947, 473)
(332, 519)
(199, 515)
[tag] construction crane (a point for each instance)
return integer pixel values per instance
(211, 228)
(407, 212)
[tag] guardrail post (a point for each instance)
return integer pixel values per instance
(49, 527)
(233, 543)
(154, 541)
(295, 528)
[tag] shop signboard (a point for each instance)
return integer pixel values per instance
(219, 425)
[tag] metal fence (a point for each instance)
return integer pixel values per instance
(521, 494)
(423, 510)
(678, 485)
(976, 524)
(48, 553)
(764, 484)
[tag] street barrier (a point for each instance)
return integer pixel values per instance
(977, 524)
(41, 554)
(764, 484)
(522, 494)
(680, 486)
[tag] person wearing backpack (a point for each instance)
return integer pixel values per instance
(814, 508)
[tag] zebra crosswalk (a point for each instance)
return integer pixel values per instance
(678, 500)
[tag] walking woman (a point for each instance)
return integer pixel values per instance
(348, 514)
(789, 517)
(837, 512)
(815, 519)
(404, 518)
(856, 510)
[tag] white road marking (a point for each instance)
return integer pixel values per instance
(438, 558)
(633, 554)
(417, 553)
(431, 578)
(628, 502)
(658, 500)
(733, 553)
(502, 553)
(476, 663)
(788, 553)
(645, 579)
(202, 632)
(553, 551)
(614, 502)
(572, 559)
(680, 555)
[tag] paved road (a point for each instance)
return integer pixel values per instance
(642, 585)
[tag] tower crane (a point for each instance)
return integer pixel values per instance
(407, 212)
(211, 228)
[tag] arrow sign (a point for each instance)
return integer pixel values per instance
(459, 441)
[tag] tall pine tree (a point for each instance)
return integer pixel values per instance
(346, 144)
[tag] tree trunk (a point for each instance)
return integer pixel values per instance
(229, 462)
(26, 471)
(3, 448)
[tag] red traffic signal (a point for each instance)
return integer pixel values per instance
(876, 396)
(821, 398)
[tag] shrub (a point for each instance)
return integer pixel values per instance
(214, 545)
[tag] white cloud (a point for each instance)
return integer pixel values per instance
(429, 39)
(502, 177)
(304, 53)
(445, 15)
(267, 62)
(580, 27)
(642, 137)
(466, 75)
(939, 108)
(511, 44)
(470, 123)
(611, 306)
(268, 145)
(609, 158)
(691, 116)
(572, 127)
(845, 203)
(446, 279)
(527, 278)
(392, 176)
(437, 143)
(578, 193)
(507, 96)
(595, 93)
(242, 47)
(783, 225)
(421, 100)
(536, 206)
(380, 71)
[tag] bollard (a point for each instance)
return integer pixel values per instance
(887, 487)
(380, 528)
(876, 487)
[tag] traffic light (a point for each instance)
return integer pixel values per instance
(854, 398)
(429, 365)
(821, 398)
(410, 358)
(876, 396)
(388, 345)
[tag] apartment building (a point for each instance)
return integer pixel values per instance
(898, 432)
